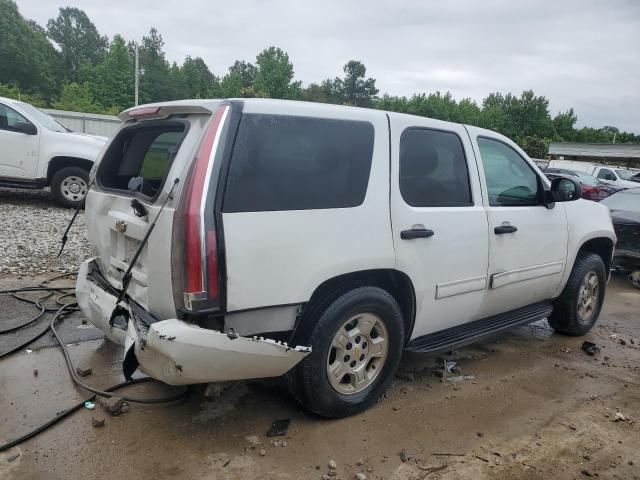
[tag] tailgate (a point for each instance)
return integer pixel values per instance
(133, 179)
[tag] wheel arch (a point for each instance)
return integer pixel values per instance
(60, 162)
(397, 283)
(601, 246)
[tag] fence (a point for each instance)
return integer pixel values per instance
(92, 123)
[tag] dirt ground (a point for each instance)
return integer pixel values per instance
(537, 408)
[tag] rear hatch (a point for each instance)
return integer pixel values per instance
(155, 146)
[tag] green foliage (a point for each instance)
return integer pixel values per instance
(274, 75)
(77, 98)
(92, 75)
(535, 147)
(78, 39)
(27, 59)
(112, 78)
(15, 93)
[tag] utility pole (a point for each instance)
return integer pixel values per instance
(136, 76)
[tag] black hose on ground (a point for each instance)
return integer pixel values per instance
(64, 309)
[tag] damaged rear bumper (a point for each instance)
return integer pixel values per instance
(180, 353)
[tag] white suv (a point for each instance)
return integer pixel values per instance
(322, 241)
(36, 151)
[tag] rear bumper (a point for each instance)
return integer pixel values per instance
(180, 353)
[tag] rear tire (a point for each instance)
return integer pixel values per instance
(577, 308)
(69, 186)
(357, 342)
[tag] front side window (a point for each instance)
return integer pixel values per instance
(433, 169)
(284, 162)
(606, 174)
(9, 118)
(511, 181)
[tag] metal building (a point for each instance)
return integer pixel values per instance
(627, 154)
(93, 123)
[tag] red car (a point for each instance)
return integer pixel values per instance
(592, 188)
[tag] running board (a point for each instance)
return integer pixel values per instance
(470, 332)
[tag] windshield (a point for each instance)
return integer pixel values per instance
(625, 174)
(627, 201)
(47, 121)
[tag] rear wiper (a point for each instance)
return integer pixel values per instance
(73, 219)
(126, 278)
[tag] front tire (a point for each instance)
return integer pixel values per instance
(357, 343)
(577, 308)
(69, 186)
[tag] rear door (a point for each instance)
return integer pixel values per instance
(439, 222)
(528, 242)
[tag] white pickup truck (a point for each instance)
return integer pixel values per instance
(36, 152)
(611, 173)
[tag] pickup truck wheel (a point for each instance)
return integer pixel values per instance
(577, 308)
(69, 186)
(356, 343)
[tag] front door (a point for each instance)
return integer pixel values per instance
(528, 242)
(19, 152)
(439, 222)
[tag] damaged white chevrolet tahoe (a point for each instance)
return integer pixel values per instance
(319, 242)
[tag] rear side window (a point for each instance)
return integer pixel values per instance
(142, 152)
(433, 169)
(298, 163)
(606, 174)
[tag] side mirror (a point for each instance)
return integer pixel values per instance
(25, 127)
(565, 190)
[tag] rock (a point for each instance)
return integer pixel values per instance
(332, 474)
(112, 405)
(630, 462)
(361, 476)
(404, 456)
(97, 422)
(35, 372)
(125, 408)
(263, 452)
(254, 441)
(586, 472)
(586, 456)
(84, 371)
(360, 462)
(332, 464)
(619, 417)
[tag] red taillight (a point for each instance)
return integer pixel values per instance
(589, 192)
(144, 112)
(200, 249)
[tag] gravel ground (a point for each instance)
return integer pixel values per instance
(31, 227)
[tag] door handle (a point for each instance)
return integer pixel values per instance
(505, 229)
(416, 233)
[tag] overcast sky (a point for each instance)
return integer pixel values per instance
(578, 53)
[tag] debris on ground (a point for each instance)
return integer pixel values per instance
(13, 457)
(590, 348)
(35, 372)
(332, 464)
(89, 405)
(97, 422)
(84, 371)
(361, 476)
(279, 428)
(619, 417)
(404, 456)
(112, 405)
(254, 441)
(460, 378)
(263, 452)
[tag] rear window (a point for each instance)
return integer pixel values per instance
(140, 156)
(298, 163)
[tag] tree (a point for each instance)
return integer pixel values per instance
(14, 92)
(356, 90)
(27, 59)
(113, 79)
(274, 75)
(326, 92)
(245, 71)
(564, 124)
(535, 147)
(77, 98)
(156, 84)
(78, 39)
(197, 80)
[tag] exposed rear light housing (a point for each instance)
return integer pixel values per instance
(198, 234)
